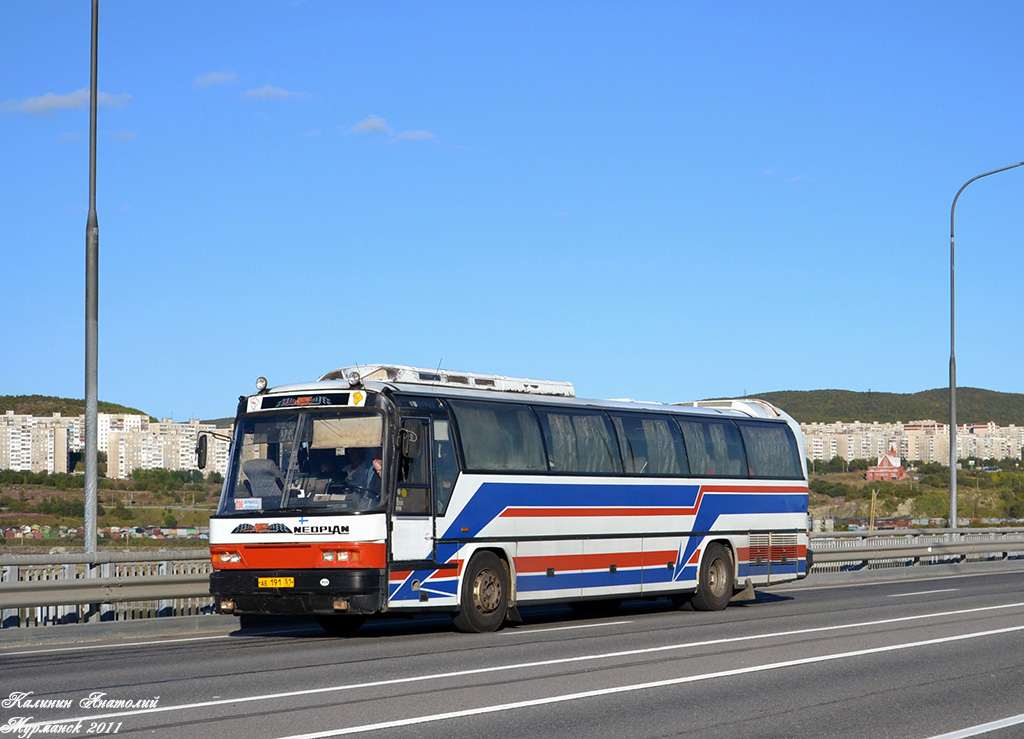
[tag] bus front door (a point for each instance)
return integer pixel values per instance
(412, 531)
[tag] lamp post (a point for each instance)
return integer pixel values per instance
(952, 346)
(92, 249)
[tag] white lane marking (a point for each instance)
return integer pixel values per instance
(982, 728)
(643, 686)
(527, 665)
(924, 592)
(566, 628)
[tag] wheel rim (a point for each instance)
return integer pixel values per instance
(486, 592)
(717, 577)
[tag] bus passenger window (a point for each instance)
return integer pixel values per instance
(650, 445)
(579, 442)
(714, 448)
(772, 450)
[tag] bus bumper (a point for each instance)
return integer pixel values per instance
(310, 592)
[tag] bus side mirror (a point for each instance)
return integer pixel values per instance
(201, 447)
(412, 439)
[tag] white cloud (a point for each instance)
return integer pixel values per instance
(373, 124)
(416, 135)
(123, 136)
(376, 124)
(210, 79)
(273, 93)
(51, 103)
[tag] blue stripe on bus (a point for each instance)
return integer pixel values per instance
(492, 498)
(575, 580)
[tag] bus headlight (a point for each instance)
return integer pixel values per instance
(261, 384)
(230, 557)
(353, 378)
(338, 556)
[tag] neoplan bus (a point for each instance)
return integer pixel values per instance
(396, 489)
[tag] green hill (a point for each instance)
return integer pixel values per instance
(973, 405)
(47, 405)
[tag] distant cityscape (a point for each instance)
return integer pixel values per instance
(132, 441)
(917, 441)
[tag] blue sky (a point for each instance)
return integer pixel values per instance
(659, 200)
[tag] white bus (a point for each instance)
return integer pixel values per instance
(397, 489)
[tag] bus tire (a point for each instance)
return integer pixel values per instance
(484, 601)
(340, 625)
(715, 581)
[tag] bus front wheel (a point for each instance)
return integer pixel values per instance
(715, 581)
(484, 601)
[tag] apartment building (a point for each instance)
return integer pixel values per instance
(924, 441)
(167, 445)
(130, 441)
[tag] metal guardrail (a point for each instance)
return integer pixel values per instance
(106, 586)
(887, 549)
(37, 589)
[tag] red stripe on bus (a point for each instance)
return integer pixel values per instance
(598, 561)
(594, 512)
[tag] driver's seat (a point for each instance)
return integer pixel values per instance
(263, 478)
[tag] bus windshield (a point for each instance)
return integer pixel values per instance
(309, 461)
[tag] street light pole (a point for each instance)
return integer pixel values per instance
(92, 250)
(952, 345)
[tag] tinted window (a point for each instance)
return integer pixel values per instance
(713, 448)
(650, 445)
(499, 437)
(771, 450)
(578, 441)
(446, 470)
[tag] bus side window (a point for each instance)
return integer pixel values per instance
(413, 470)
(413, 495)
(446, 469)
(650, 445)
(714, 448)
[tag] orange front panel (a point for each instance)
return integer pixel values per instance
(299, 556)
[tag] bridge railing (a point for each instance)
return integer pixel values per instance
(38, 589)
(44, 589)
(849, 551)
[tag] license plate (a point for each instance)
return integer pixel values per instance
(277, 582)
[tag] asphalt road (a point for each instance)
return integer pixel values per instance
(909, 658)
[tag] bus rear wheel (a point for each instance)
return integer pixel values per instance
(484, 601)
(715, 581)
(340, 625)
